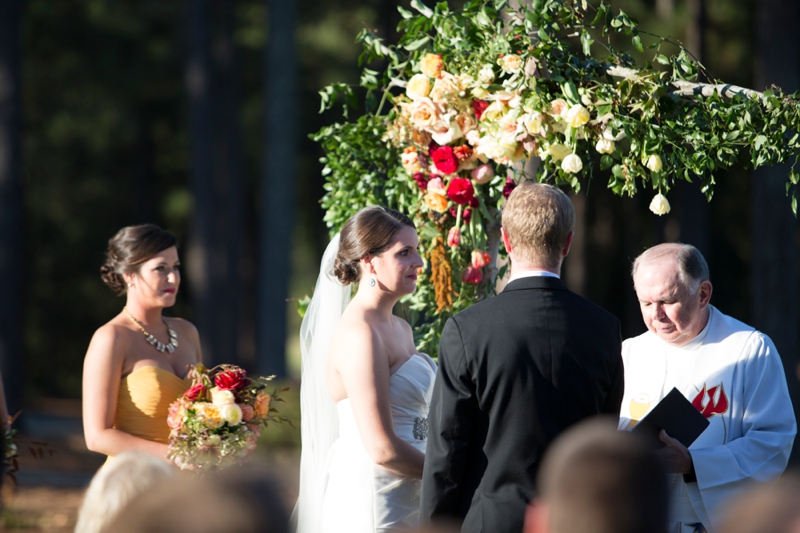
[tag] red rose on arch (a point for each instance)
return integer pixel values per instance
(472, 275)
(461, 191)
(232, 379)
(466, 214)
(509, 187)
(479, 106)
(444, 159)
(422, 180)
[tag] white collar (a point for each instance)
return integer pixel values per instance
(533, 274)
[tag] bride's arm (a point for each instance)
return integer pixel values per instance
(102, 372)
(364, 369)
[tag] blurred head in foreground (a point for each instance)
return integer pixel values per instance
(115, 485)
(595, 479)
(235, 501)
(768, 508)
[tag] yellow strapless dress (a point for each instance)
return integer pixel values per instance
(144, 399)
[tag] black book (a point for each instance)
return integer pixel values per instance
(675, 415)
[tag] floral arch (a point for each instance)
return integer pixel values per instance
(467, 98)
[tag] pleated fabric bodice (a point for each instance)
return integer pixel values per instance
(144, 399)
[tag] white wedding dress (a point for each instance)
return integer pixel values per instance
(360, 496)
(341, 489)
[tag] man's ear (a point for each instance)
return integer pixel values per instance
(567, 244)
(705, 290)
(536, 516)
(506, 241)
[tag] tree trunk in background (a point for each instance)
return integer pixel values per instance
(277, 187)
(11, 203)
(665, 9)
(695, 214)
(229, 188)
(773, 268)
(201, 234)
(575, 263)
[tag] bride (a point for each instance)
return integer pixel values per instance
(365, 389)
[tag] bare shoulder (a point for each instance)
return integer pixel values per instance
(183, 327)
(353, 336)
(110, 344)
(404, 326)
(112, 334)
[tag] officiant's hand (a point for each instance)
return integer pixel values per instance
(674, 456)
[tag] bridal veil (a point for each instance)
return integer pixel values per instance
(319, 422)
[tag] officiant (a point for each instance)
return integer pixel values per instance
(730, 372)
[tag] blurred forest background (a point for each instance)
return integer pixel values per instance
(195, 115)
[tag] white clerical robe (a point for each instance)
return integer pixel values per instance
(734, 376)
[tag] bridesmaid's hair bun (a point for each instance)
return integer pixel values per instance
(129, 248)
(368, 232)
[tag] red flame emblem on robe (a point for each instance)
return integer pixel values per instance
(711, 407)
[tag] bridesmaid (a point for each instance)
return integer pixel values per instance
(136, 363)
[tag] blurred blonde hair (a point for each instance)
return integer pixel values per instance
(117, 483)
(537, 218)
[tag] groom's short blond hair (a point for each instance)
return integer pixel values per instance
(538, 218)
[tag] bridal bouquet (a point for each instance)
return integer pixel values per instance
(217, 422)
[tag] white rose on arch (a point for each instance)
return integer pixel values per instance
(576, 116)
(654, 163)
(486, 74)
(558, 151)
(659, 204)
(572, 164)
(605, 146)
(418, 86)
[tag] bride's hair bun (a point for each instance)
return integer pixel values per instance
(368, 232)
(128, 249)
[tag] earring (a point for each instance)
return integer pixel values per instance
(130, 285)
(372, 281)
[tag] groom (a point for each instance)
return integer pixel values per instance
(514, 372)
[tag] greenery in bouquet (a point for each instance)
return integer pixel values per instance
(217, 422)
(458, 106)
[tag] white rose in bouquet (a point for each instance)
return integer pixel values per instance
(231, 413)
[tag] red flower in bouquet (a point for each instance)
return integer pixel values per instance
(195, 392)
(232, 379)
(444, 159)
(461, 191)
(472, 275)
(479, 106)
(509, 187)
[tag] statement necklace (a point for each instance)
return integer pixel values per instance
(160, 346)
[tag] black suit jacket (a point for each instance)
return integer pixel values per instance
(514, 372)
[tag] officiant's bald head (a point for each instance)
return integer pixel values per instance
(673, 288)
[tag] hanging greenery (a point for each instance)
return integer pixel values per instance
(466, 98)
